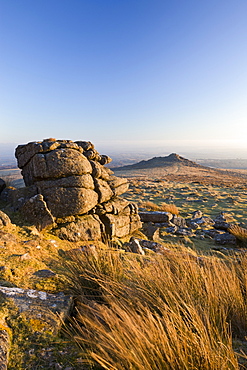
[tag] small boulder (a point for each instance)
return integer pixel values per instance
(223, 221)
(225, 238)
(171, 229)
(197, 214)
(135, 247)
(154, 246)
(185, 232)
(179, 221)
(155, 216)
(151, 231)
(45, 273)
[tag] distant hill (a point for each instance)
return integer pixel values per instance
(170, 160)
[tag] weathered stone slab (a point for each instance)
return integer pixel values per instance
(80, 181)
(55, 164)
(106, 173)
(44, 311)
(92, 154)
(118, 185)
(24, 153)
(96, 169)
(103, 189)
(86, 228)
(155, 216)
(105, 159)
(63, 202)
(119, 232)
(135, 246)
(114, 206)
(225, 238)
(118, 220)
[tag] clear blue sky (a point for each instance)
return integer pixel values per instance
(119, 72)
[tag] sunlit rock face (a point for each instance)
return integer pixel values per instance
(73, 181)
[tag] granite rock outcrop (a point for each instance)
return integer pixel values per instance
(70, 190)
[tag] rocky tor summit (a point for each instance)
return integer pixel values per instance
(71, 191)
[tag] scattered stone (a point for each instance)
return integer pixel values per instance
(135, 247)
(197, 222)
(223, 221)
(155, 216)
(185, 232)
(154, 246)
(45, 273)
(197, 214)
(211, 233)
(151, 231)
(225, 238)
(171, 229)
(179, 221)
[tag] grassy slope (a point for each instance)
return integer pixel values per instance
(152, 312)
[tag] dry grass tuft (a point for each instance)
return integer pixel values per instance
(164, 207)
(172, 208)
(162, 312)
(240, 233)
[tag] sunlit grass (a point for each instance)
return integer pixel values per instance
(161, 312)
(240, 233)
(163, 207)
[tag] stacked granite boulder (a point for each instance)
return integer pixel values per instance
(71, 191)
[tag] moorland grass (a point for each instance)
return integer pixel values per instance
(172, 311)
(240, 233)
(164, 207)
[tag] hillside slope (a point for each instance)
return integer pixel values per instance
(176, 168)
(170, 160)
